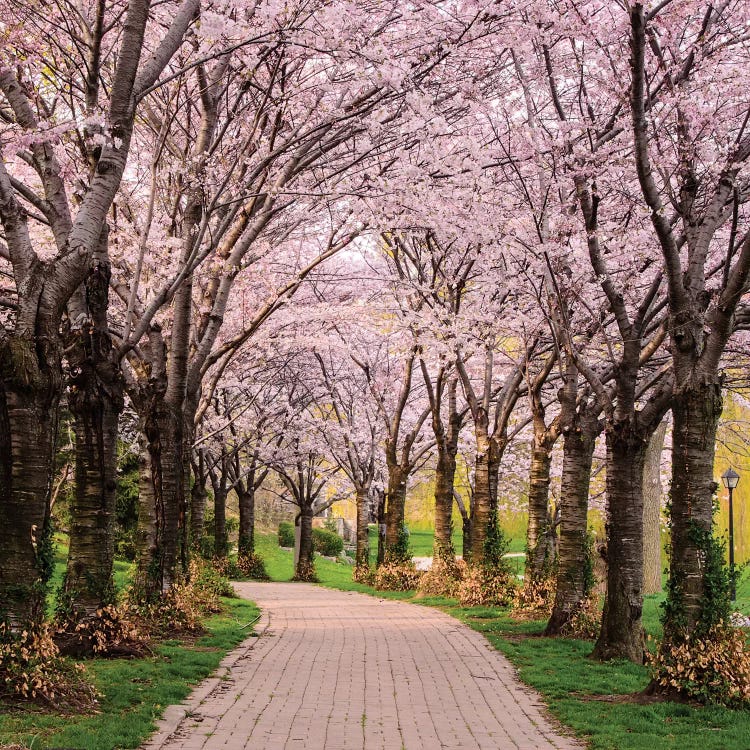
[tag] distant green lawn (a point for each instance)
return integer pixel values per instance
(580, 692)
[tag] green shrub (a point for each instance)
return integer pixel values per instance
(327, 542)
(286, 534)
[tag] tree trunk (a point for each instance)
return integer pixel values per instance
(466, 537)
(381, 527)
(539, 554)
(246, 541)
(362, 556)
(621, 635)
(444, 480)
(28, 429)
(573, 574)
(198, 497)
(221, 541)
(305, 569)
(88, 579)
(145, 584)
(696, 409)
(652, 493)
(394, 513)
(96, 400)
(485, 494)
(161, 544)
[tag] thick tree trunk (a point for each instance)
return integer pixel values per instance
(221, 541)
(395, 509)
(96, 400)
(444, 480)
(28, 430)
(696, 410)
(621, 635)
(487, 465)
(578, 450)
(381, 527)
(539, 550)
(88, 578)
(362, 556)
(466, 537)
(246, 498)
(145, 584)
(305, 568)
(164, 535)
(652, 494)
(198, 497)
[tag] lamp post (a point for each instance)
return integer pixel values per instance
(731, 478)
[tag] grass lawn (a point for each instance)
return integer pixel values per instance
(135, 692)
(582, 693)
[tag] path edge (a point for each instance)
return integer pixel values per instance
(174, 715)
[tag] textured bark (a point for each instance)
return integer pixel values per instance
(304, 570)
(486, 468)
(445, 473)
(96, 406)
(446, 439)
(246, 499)
(621, 635)
(578, 450)
(198, 497)
(362, 555)
(221, 540)
(28, 429)
(96, 400)
(696, 412)
(145, 584)
(652, 495)
(539, 538)
(381, 524)
(466, 527)
(395, 505)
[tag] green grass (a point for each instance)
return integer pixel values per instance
(421, 540)
(135, 692)
(580, 692)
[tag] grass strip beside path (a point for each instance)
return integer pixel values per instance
(135, 692)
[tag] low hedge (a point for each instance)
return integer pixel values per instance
(286, 534)
(327, 542)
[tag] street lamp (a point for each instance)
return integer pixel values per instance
(731, 479)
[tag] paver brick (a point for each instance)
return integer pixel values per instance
(344, 671)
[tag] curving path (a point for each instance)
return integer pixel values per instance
(336, 670)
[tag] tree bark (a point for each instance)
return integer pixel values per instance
(246, 497)
(696, 409)
(305, 569)
(621, 635)
(362, 555)
(444, 480)
(539, 550)
(96, 400)
(221, 541)
(578, 451)
(96, 408)
(381, 524)
(487, 465)
(28, 431)
(145, 583)
(395, 508)
(652, 494)
(198, 497)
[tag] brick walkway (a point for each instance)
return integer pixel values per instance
(343, 671)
